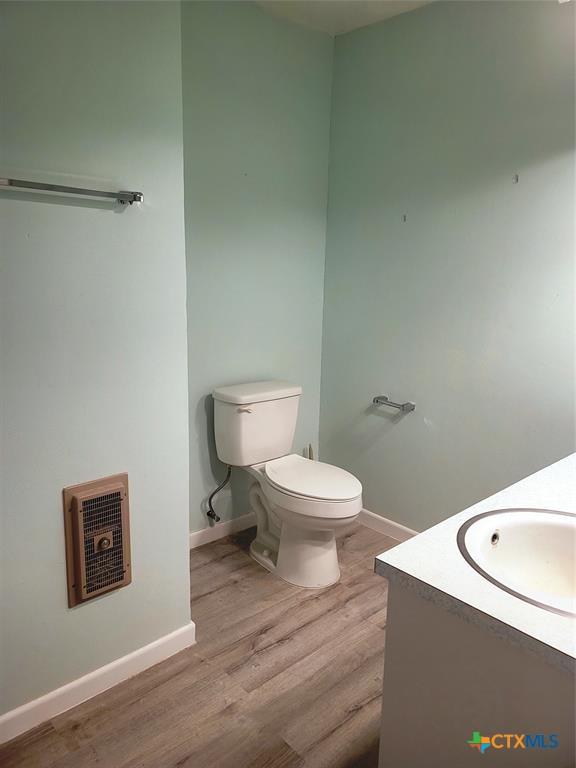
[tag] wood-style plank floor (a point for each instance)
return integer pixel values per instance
(281, 677)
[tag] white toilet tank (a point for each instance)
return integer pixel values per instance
(255, 422)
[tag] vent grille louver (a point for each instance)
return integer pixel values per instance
(102, 515)
(97, 537)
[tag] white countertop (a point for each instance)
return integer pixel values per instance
(434, 560)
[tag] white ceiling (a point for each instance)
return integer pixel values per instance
(338, 16)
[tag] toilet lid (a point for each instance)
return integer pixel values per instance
(303, 477)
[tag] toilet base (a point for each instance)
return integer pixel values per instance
(307, 558)
(312, 567)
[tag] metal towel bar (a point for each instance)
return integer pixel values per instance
(122, 197)
(385, 400)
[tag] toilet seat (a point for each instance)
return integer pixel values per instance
(309, 479)
(312, 488)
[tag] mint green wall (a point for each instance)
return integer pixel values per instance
(467, 308)
(256, 94)
(92, 327)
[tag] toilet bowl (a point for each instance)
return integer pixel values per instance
(299, 503)
(308, 502)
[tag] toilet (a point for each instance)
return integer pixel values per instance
(299, 503)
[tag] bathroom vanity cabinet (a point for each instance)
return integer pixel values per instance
(468, 665)
(446, 677)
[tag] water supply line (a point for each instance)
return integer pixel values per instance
(211, 513)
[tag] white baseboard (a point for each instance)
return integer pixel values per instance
(385, 526)
(219, 530)
(367, 518)
(39, 710)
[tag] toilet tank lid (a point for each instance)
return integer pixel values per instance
(256, 392)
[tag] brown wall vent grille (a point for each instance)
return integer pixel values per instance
(96, 524)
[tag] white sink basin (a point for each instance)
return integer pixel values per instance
(529, 553)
